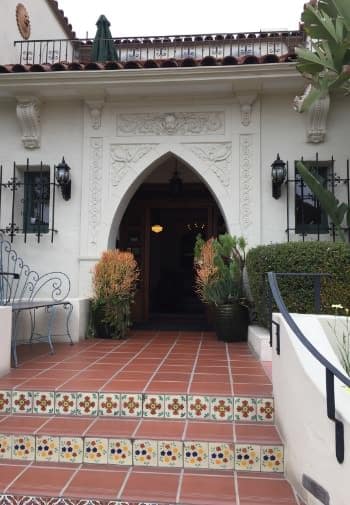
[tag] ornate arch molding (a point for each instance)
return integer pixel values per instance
(136, 162)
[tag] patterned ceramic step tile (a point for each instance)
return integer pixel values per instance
(109, 404)
(65, 403)
(153, 405)
(221, 456)
(47, 449)
(5, 402)
(221, 408)
(145, 453)
(87, 404)
(43, 402)
(247, 457)
(22, 402)
(198, 407)
(71, 450)
(170, 454)
(245, 409)
(175, 406)
(196, 454)
(119, 452)
(272, 458)
(95, 450)
(5, 446)
(265, 409)
(131, 404)
(23, 448)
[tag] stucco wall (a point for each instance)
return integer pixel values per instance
(44, 25)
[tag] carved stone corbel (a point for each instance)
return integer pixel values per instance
(246, 101)
(95, 108)
(28, 114)
(316, 126)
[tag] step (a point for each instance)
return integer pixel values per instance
(145, 442)
(39, 485)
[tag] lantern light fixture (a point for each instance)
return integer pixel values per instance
(278, 175)
(63, 179)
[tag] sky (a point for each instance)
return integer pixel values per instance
(180, 17)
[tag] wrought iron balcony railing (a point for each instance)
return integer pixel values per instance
(236, 45)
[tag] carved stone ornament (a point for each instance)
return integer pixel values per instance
(316, 126)
(95, 187)
(124, 157)
(245, 179)
(246, 101)
(218, 157)
(171, 123)
(23, 21)
(95, 108)
(28, 114)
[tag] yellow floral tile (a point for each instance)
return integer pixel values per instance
(221, 456)
(23, 448)
(272, 458)
(175, 406)
(95, 450)
(87, 404)
(198, 407)
(247, 457)
(245, 409)
(47, 448)
(196, 455)
(22, 402)
(265, 409)
(170, 454)
(71, 450)
(109, 404)
(5, 446)
(65, 403)
(131, 405)
(153, 405)
(145, 453)
(221, 409)
(119, 452)
(44, 402)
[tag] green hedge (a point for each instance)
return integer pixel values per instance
(333, 258)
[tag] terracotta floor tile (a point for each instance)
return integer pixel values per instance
(210, 431)
(208, 489)
(41, 481)
(42, 383)
(152, 487)
(172, 376)
(257, 433)
(214, 377)
(8, 474)
(113, 428)
(66, 426)
(56, 373)
(168, 387)
(265, 491)
(252, 389)
(22, 425)
(94, 483)
(210, 388)
(81, 385)
(140, 376)
(124, 386)
(250, 379)
(160, 429)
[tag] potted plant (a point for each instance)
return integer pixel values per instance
(219, 266)
(114, 283)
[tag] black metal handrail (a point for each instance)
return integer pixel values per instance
(331, 370)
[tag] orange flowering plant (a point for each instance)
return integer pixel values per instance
(114, 283)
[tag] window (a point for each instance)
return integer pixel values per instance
(309, 216)
(36, 205)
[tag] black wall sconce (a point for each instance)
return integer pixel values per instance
(278, 174)
(63, 179)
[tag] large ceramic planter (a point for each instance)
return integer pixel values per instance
(231, 322)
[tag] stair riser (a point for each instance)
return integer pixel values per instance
(159, 406)
(210, 455)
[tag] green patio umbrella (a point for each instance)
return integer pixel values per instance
(103, 46)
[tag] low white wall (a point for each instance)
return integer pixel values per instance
(259, 342)
(301, 412)
(78, 323)
(5, 339)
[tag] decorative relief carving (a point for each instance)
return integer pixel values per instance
(28, 114)
(317, 115)
(23, 21)
(217, 156)
(95, 187)
(171, 123)
(95, 108)
(245, 179)
(124, 157)
(246, 101)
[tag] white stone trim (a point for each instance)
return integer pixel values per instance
(28, 114)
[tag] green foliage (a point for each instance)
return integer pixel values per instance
(325, 257)
(326, 64)
(335, 210)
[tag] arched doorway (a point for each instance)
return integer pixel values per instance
(170, 208)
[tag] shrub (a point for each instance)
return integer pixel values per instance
(325, 257)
